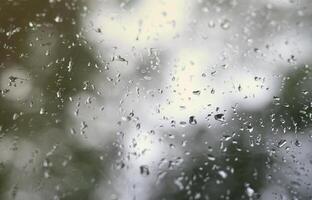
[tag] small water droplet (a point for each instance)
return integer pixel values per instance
(15, 116)
(58, 19)
(298, 143)
(219, 117)
(42, 111)
(58, 94)
(144, 170)
(196, 92)
(281, 143)
(223, 174)
(70, 65)
(250, 128)
(211, 157)
(249, 191)
(239, 88)
(211, 24)
(138, 125)
(192, 120)
(225, 24)
(46, 174)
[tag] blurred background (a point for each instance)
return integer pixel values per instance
(155, 99)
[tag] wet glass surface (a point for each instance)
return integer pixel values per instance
(155, 99)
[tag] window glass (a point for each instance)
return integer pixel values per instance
(155, 99)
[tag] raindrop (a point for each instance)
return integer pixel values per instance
(219, 117)
(196, 92)
(70, 65)
(197, 196)
(148, 78)
(15, 116)
(58, 19)
(72, 131)
(223, 174)
(225, 24)
(211, 157)
(160, 176)
(42, 111)
(58, 94)
(239, 88)
(281, 143)
(144, 170)
(138, 125)
(46, 174)
(250, 128)
(226, 137)
(249, 191)
(83, 125)
(178, 182)
(120, 165)
(292, 59)
(211, 24)
(276, 100)
(298, 143)
(192, 120)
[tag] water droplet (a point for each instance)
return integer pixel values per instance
(138, 125)
(144, 170)
(70, 65)
(226, 137)
(120, 165)
(196, 92)
(148, 78)
(178, 182)
(250, 128)
(223, 174)
(249, 191)
(298, 143)
(58, 94)
(211, 157)
(281, 143)
(46, 174)
(192, 120)
(15, 116)
(219, 117)
(276, 100)
(239, 88)
(42, 111)
(211, 24)
(225, 24)
(292, 59)
(58, 19)
(197, 196)
(72, 131)
(160, 176)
